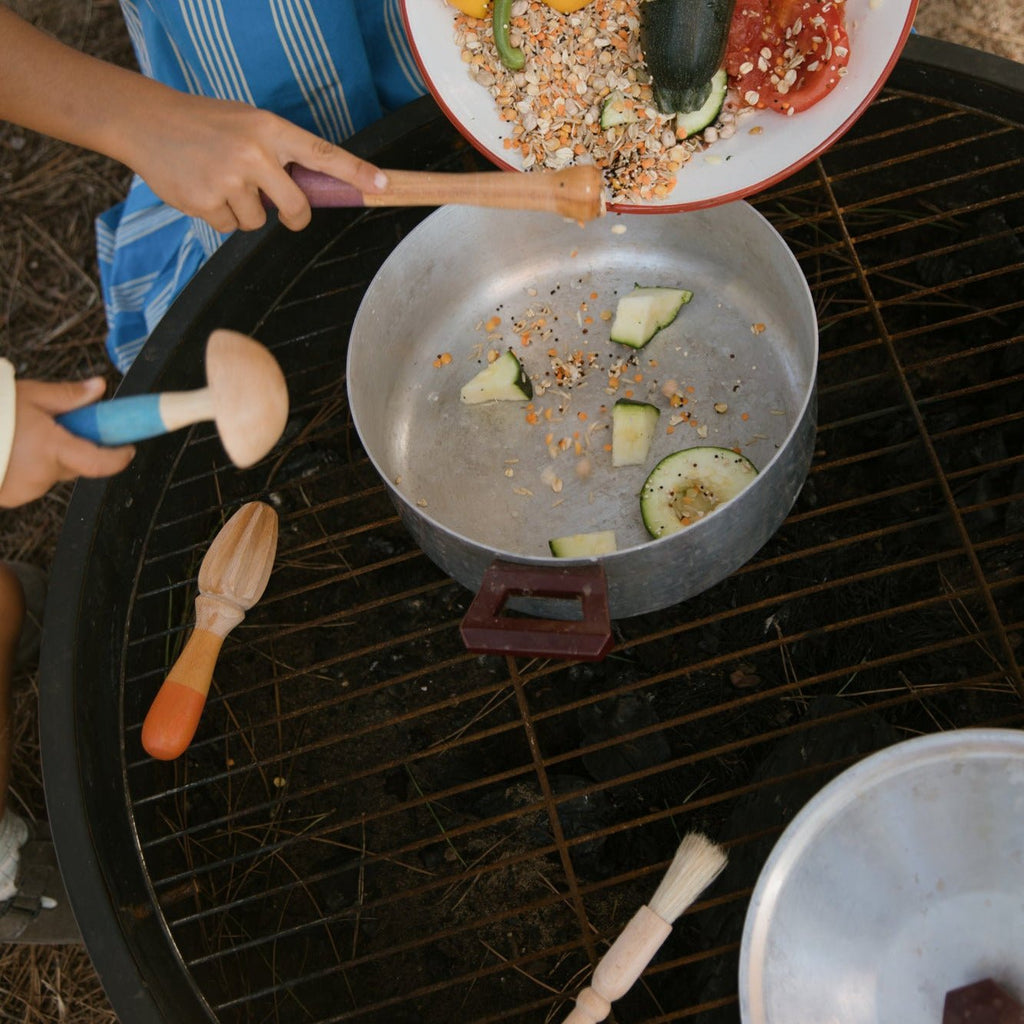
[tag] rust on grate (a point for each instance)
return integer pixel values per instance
(374, 825)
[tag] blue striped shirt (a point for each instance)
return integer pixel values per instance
(330, 66)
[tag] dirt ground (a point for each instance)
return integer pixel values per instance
(52, 325)
(996, 27)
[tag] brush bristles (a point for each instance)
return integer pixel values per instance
(697, 863)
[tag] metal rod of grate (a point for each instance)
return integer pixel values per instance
(375, 825)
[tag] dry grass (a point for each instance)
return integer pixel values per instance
(52, 326)
(51, 983)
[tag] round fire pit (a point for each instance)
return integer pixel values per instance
(374, 825)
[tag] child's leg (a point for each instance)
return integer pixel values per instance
(13, 831)
(33, 905)
(12, 618)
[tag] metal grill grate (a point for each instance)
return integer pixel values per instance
(375, 826)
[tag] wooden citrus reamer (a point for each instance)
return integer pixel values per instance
(696, 864)
(232, 577)
(245, 395)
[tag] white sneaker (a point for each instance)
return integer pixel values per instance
(39, 911)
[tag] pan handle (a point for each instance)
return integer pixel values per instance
(485, 630)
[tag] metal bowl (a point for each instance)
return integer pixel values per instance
(902, 879)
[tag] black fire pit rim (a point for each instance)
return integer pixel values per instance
(129, 987)
(142, 996)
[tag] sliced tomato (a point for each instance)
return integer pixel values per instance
(815, 30)
(787, 54)
(751, 29)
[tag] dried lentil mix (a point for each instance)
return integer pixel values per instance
(553, 105)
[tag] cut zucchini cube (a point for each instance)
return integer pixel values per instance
(504, 380)
(633, 426)
(617, 109)
(645, 311)
(583, 545)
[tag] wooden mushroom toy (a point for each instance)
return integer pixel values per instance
(245, 395)
(232, 577)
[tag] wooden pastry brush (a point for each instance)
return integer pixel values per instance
(697, 863)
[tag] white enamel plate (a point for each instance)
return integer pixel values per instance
(730, 169)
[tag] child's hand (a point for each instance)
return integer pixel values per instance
(212, 159)
(43, 452)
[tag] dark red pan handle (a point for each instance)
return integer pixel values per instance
(485, 630)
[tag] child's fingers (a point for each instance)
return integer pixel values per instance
(61, 396)
(79, 457)
(291, 202)
(340, 163)
(248, 209)
(222, 219)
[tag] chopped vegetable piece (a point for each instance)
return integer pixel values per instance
(633, 426)
(683, 43)
(787, 54)
(504, 380)
(512, 57)
(691, 484)
(645, 311)
(584, 545)
(617, 109)
(567, 6)
(693, 121)
(474, 8)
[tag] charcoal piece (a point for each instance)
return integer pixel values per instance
(581, 816)
(983, 1002)
(952, 265)
(1015, 507)
(606, 720)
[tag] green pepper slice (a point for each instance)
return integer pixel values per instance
(511, 56)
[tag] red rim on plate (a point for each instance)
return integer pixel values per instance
(731, 169)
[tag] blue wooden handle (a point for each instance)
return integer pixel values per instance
(119, 421)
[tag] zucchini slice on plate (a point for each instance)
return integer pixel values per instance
(645, 311)
(633, 426)
(504, 380)
(688, 485)
(693, 121)
(583, 545)
(617, 109)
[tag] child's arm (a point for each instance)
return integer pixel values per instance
(209, 158)
(35, 452)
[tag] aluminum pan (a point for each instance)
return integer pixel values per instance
(475, 482)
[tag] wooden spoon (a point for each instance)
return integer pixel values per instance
(245, 395)
(576, 192)
(232, 577)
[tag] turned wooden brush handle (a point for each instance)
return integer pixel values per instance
(174, 715)
(576, 192)
(620, 967)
